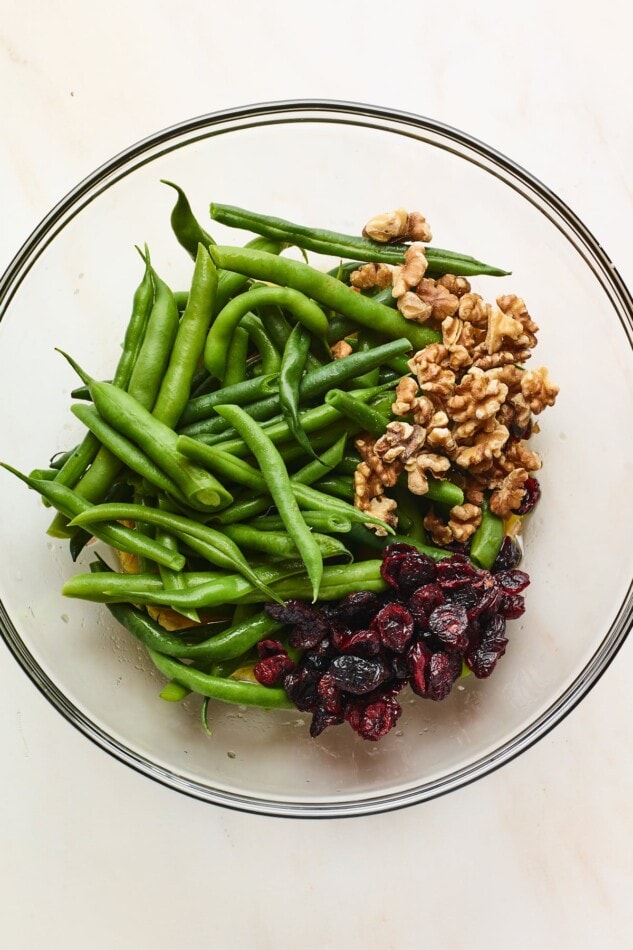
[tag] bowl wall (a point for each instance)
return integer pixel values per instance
(330, 166)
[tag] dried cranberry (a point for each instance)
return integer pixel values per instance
(356, 674)
(358, 606)
(419, 657)
(391, 567)
(394, 625)
(372, 717)
(423, 602)
(321, 719)
(415, 570)
(511, 606)
(330, 695)
(400, 667)
(362, 642)
(272, 669)
(267, 648)
(531, 496)
(508, 557)
(301, 687)
(449, 622)
(304, 638)
(456, 571)
(315, 662)
(512, 582)
(443, 670)
(492, 645)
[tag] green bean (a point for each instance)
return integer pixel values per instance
(153, 355)
(121, 447)
(487, 539)
(367, 538)
(230, 283)
(225, 690)
(334, 244)
(79, 460)
(216, 546)
(304, 309)
(278, 330)
(173, 692)
(338, 485)
(338, 581)
(366, 342)
(188, 345)
(172, 580)
(280, 488)
(189, 233)
(137, 326)
(157, 440)
(368, 419)
(319, 520)
(48, 474)
(280, 544)
(201, 407)
(270, 356)
(314, 383)
(228, 645)
(290, 373)
(315, 470)
(236, 359)
(326, 290)
(70, 504)
(219, 590)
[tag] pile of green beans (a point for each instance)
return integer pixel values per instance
(220, 452)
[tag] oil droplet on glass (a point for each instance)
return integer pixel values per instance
(65, 618)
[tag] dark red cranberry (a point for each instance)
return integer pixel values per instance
(419, 657)
(358, 606)
(321, 719)
(509, 555)
(309, 627)
(511, 606)
(423, 602)
(391, 566)
(449, 623)
(301, 687)
(456, 571)
(267, 648)
(330, 695)
(356, 674)
(415, 570)
(373, 716)
(271, 670)
(315, 662)
(394, 626)
(361, 642)
(532, 495)
(443, 670)
(512, 582)
(492, 645)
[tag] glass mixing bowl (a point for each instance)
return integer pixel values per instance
(332, 165)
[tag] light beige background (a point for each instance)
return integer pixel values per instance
(93, 855)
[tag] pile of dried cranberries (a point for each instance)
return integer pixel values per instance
(359, 652)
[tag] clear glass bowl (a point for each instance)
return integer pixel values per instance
(331, 165)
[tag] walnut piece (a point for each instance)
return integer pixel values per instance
(478, 396)
(385, 473)
(454, 284)
(406, 397)
(501, 326)
(371, 275)
(473, 308)
(442, 302)
(509, 495)
(398, 225)
(420, 466)
(538, 390)
(369, 496)
(341, 349)
(412, 308)
(400, 441)
(409, 274)
(439, 531)
(463, 521)
(487, 445)
(429, 366)
(390, 226)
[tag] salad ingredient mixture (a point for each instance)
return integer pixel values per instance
(314, 482)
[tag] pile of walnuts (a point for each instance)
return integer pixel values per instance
(467, 408)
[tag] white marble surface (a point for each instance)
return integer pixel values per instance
(535, 855)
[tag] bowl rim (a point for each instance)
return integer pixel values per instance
(165, 140)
